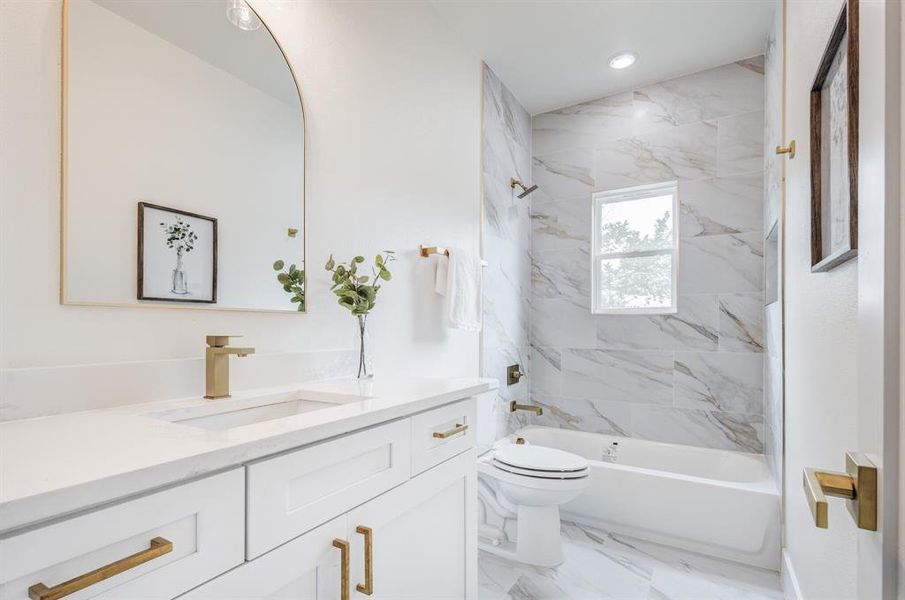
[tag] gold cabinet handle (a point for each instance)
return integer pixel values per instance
(459, 428)
(858, 485)
(368, 588)
(158, 547)
(343, 546)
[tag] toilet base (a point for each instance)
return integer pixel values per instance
(539, 542)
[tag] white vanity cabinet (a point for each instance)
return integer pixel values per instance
(422, 541)
(385, 512)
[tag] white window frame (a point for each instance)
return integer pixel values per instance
(640, 192)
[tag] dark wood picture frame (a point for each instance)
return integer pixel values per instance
(141, 253)
(847, 22)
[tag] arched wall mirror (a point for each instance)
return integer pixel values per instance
(183, 158)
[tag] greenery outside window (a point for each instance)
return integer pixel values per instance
(635, 251)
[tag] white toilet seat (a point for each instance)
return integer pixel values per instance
(540, 462)
(553, 475)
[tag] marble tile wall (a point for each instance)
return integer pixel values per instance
(695, 377)
(773, 317)
(506, 241)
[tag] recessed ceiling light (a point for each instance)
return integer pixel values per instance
(623, 60)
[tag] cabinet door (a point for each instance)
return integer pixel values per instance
(306, 568)
(424, 537)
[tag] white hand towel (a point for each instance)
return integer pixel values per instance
(459, 278)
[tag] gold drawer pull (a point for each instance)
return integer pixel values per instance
(343, 546)
(442, 435)
(159, 546)
(368, 588)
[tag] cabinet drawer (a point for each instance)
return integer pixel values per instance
(294, 493)
(197, 528)
(442, 433)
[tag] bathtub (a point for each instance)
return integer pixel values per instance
(716, 502)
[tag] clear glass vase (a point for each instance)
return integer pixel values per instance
(180, 281)
(363, 348)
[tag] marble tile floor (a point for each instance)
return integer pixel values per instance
(601, 565)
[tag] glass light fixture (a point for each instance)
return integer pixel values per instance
(623, 60)
(240, 14)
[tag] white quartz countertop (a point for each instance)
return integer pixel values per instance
(52, 466)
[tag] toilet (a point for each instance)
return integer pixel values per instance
(520, 489)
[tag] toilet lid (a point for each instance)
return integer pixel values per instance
(539, 458)
(541, 474)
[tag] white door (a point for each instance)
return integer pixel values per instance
(306, 568)
(423, 535)
(841, 326)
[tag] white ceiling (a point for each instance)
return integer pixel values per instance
(555, 53)
(201, 28)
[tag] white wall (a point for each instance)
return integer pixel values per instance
(821, 338)
(393, 108)
(152, 122)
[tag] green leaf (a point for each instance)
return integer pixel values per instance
(283, 278)
(278, 265)
(378, 260)
(330, 264)
(293, 270)
(385, 275)
(358, 259)
(287, 288)
(363, 279)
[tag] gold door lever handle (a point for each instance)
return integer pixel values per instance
(858, 485)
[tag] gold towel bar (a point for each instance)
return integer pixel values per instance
(426, 251)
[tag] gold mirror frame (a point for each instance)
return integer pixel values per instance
(64, 100)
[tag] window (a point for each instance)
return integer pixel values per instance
(635, 251)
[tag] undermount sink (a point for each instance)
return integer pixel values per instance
(237, 412)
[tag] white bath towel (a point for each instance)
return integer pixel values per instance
(459, 279)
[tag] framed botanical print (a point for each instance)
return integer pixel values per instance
(177, 255)
(834, 147)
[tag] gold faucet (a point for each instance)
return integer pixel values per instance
(216, 365)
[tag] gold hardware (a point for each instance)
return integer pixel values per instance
(158, 547)
(343, 546)
(513, 374)
(519, 441)
(514, 406)
(426, 251)
(790, 149)
(858, 485)
(292, 232)
(442, 435)
(368, 588)
(216, 365)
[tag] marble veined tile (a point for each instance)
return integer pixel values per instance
(561, 224)
(583, 125)
(618, 375)
(566, 174)
(593, 416)
(546, 372)
(562, 322)
(710, 429)
(687, 152)
(729, 382)
(741, 144)
(742, 322)
(601, 564)
(693, 327)
(722, 264)
(726, 90)
(721, 205)
(562, 274)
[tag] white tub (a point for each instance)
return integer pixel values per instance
(715, 502)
